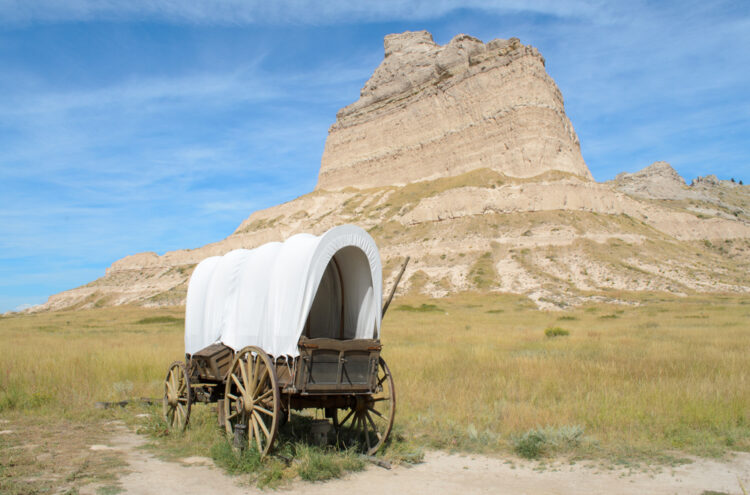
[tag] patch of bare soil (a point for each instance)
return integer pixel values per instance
(440, 474)
(51, 455)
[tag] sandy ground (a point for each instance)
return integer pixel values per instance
(439, 474)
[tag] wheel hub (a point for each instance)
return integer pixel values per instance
(245, 404)
(361, 404)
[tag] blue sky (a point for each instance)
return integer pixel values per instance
(130, 126)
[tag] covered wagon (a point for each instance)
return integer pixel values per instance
(287, 326)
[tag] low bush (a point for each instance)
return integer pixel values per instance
(552, 332)
(547, 441)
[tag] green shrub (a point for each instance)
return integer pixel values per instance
(545, 441)
(233, 461)
(531, 444)
(316, 464)
(552, 332)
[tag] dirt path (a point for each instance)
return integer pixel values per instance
(440, 474)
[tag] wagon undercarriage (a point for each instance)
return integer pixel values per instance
(348, 380)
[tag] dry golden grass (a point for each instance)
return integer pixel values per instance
(668, 374)
(66, 361)
(472, 371)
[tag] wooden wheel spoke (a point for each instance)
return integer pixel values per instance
(263, 410)
(367, 433)
(251, 376)
(256, 434)
(372, 424)
(370, 409)
(266, 395)
(232, 396)
(252, 372)
(239, 385)
(233, 415)
(379, 399)
(262, 379)
(245, 381)
(343, 421)
(261, 424)
(256, 368)
(182, 399)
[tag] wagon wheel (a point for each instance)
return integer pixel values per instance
(178, 397)
(367, 422)
(251, 398)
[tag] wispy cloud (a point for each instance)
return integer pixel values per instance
(279, 12)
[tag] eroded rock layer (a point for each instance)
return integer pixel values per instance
(432, 111)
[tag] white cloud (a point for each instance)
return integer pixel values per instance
(278, 12)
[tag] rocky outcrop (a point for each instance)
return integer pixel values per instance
(657, 181)
(707, 196)
(432, 111)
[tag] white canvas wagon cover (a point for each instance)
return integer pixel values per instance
(323, 286)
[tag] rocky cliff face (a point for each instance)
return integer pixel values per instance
(461, 157)
(432, 111)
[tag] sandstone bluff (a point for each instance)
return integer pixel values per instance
(432, 111)
(462, 156)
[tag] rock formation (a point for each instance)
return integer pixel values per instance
(704, 196)
(461, 157)
(657, 181)
(432, 111)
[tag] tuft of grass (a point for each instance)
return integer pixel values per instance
(567, 318)
(609, 317)
(536, 443)
(483, 273)
(233, 461)
(424, 308)
(317, 464)
(160, 319)
(109, 490)
(553, 332)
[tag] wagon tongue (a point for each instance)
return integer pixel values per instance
(395, 285)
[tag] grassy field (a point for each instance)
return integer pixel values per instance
(664, 377)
